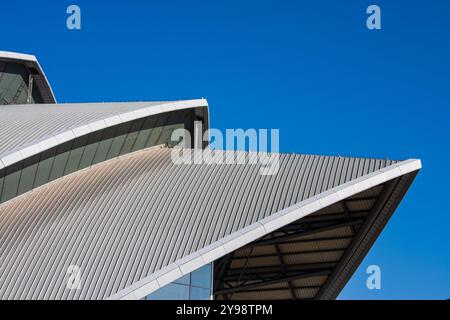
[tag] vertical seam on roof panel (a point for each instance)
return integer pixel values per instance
(298, 176)
(34, 272)
(235, 220)
(171, 183)
(251, 178)
(21, 258)
(51, 254)
(163, 223)
(76, 252)
(80, 222)
(311, 177)
(132, 215)
(143, 216)
(277, 201)
(322, 179)
(300, 185)
(205, 201)
(219, 228)
(276, 186)
(332, 172)
(150, 216)
(116, 222)
(222, 224)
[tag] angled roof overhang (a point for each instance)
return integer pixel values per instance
(143, 221)
(39, 77)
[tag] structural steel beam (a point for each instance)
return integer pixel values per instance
(283, 266)
(294, 253)
(302, 233)
(273, 281)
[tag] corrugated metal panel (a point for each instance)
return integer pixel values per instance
(91, 148)
(23, 125)
(124, 219)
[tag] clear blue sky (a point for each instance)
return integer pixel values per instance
(310, 68)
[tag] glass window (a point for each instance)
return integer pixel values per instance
(43, 172)
(172, 291)
(1, 185)
(59, 165)
(14, 85)
(202, 277)
(193, 286)
(104, 145)
(200, 294)
(186, 280)
(27, 179)
(10, 186)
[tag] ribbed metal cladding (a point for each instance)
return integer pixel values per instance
(21, 125)
(126, 218)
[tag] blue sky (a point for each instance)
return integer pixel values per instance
(310, 68)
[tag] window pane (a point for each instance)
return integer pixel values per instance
(172, 291)
(43, 172)
(59, 165)
(14, 82)
(186, 279)
(131, 137)
(202, 277)
(10, 186)
(200, 294)
(1, 184)
(27, 178)
(74, 160)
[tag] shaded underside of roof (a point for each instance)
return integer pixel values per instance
(313, 257)
(122, 220)
(39, 77)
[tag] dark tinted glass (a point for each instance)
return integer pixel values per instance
(14, 85)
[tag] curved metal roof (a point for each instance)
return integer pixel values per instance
(40, 79)
(26, 130)
(138, 222)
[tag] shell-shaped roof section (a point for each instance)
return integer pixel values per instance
(137, 216)
(22, 126)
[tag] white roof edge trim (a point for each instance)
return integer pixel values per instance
(17, 56)
(41, 71)
(64, 136)
(255, 231)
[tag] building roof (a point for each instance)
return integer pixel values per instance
(137, 222)
(31, 63)
(74, 190)
(26, 130)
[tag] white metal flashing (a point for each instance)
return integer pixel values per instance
(17, 56)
